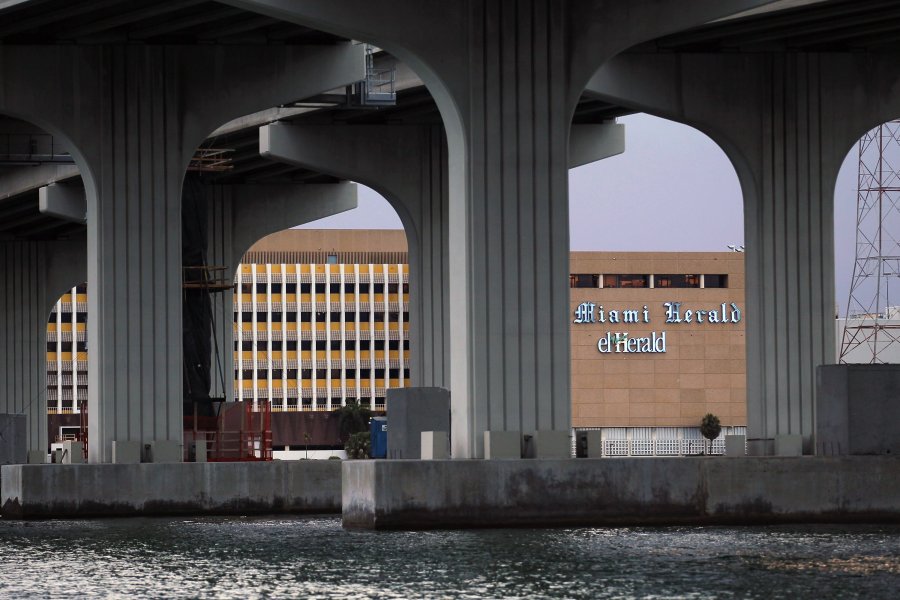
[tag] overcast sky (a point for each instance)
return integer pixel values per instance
(673, 189)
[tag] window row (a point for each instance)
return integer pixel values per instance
(67, 347)
(335, 317)
(247, 374)
(349, 345)
(321, 288)
(588, 280)
(66, 317)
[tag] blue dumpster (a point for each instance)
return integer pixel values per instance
(378, 439)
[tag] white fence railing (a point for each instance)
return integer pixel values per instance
(657, 441)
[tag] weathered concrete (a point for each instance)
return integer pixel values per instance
(857, 410)
(626, 491)
(46, 491)
(410, 411)
(12, 439)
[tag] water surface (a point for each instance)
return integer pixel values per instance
(281, 557)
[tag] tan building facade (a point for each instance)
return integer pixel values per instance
(657, 338)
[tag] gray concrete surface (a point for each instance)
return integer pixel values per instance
(13, 449)
(94, 490)
(621, 491)
(410, 411)
(857, 409)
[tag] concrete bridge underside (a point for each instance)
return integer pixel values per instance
(489, 230)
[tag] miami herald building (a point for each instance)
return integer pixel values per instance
(322, 317)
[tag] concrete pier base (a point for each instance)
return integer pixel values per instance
(413, 494)
(107, 490)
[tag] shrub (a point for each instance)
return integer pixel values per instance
(710, 429)
(358, 445)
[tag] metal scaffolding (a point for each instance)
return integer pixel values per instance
(872, 325)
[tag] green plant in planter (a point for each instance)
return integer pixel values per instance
(710, 428)
(358, 445)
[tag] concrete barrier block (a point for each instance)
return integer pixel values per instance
(13, 445)
(73, 453)
(37, 457)
(551, 444)
(594, 443)
(200, 451)
(410, 411)
(502, 444)
(788, 444)
(434, 445)
(164, 451)
(735, 445)
(126, 452)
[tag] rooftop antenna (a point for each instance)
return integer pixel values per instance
(870, 334)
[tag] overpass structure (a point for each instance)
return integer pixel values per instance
(495, 100)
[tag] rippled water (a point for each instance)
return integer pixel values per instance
(314, 557)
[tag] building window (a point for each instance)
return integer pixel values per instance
(306, 345)
(364, 316)
(306, 317)
(248, 374)
(349, 288)
(321, 345)
(306, 373)
(335, 344)
(276, 345)
(394, 373)
(260, 288)
(277, 373)
(81, 288)
(350, 373)
(626, 281)
(334, 288)
(276, 288)
(365, 373)
(394, 345)
(290, 288)
(291, 345)
(276, 317)
(584, 281)
(305, 288)
(676, 281)
(331, 259)
(349, 317)
(320, 373)
(350, 344)
(715, 281)
(406, 344)
(320, 288)
(378, 288)
(393, 317)
(405, 373)
(393, 288)
(405, 288)
(81, 317)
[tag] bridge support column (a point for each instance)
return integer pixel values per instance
(786, 122)
(408, 165)
(32, 275)
(506, 77)
(239, 216)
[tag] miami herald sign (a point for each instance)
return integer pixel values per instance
(655, 342)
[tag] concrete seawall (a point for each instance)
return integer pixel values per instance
(46, 491)
(623, 491)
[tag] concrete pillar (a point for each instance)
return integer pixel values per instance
(239, 216)
(33, 274)
(786, 122)
(408, 165)
(506, 77)
(133, 119)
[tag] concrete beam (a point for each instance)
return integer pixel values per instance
(63, 202)
(590, 143)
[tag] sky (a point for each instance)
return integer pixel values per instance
(672, 190)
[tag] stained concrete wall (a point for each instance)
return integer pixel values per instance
(626, 491)
(857, 410)
(12, 439)
(45, 491)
